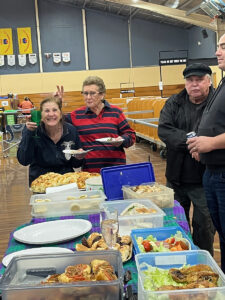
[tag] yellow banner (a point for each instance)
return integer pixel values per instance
(6, 42)
(24, 40)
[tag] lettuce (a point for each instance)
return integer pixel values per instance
(156, 277)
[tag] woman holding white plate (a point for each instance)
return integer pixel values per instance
(102, 127)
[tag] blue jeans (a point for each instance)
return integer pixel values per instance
(214, 185)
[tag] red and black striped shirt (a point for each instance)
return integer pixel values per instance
(111, 122)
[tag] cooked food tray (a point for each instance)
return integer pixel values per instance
(193, 275)
(33, 277)
(160, 194)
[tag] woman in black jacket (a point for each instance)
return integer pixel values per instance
(42, 146)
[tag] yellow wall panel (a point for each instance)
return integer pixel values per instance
(72, 81)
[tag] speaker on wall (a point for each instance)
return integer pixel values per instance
(204, 34)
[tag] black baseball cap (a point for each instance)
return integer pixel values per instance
(196, 69)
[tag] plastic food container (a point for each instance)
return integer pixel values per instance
(66, 203)
(170, 260)
(159, 194)
(21, 279)
(94, 183)
(159, 233)
(127, 223)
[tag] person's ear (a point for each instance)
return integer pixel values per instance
(103, 96)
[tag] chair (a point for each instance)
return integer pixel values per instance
(13, 134)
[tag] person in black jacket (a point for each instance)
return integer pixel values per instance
(182, 114)
(209, 146)
(42, 146)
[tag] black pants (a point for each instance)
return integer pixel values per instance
(203, 228)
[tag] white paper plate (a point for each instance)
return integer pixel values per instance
(34, 251)
(74, 152)
(52, 231)
(109, 140)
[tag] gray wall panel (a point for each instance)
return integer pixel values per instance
(149, 38)
(15, 14)
(200, 47)
(107, 35)
(61, 31)
(108, 44)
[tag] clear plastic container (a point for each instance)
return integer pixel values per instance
(170, 260)
(160, 234)
(66, 203)
(164, 197)
(22, 278)
(94, 183)
(127, 223)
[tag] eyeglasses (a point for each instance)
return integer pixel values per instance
(92, 94)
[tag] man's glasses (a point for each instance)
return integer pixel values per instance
(92, 94)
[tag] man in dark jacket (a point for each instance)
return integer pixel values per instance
(182, 114)
(210, 144)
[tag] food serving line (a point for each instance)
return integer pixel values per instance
(118, 182)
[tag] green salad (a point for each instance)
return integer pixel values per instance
(162, 246)
(157, 277)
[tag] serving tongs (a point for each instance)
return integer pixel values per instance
(128, 292)
(41, 272)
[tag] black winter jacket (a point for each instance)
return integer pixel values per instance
(43, 155)
(174, 123)
(213, 124)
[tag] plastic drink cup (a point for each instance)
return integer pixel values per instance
(36, 116)
(109, 226)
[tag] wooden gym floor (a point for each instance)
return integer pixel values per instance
(14, 199)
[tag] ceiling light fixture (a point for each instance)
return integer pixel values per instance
(213, 8)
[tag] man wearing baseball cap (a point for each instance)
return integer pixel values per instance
(182, 114)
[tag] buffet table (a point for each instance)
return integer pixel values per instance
(173, 217)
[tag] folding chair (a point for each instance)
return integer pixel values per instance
(13, 134)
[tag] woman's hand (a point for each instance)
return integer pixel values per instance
(30, 125)
(80, 155)
(60, 92)
(118, 141)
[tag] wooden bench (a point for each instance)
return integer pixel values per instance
(74, 99)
